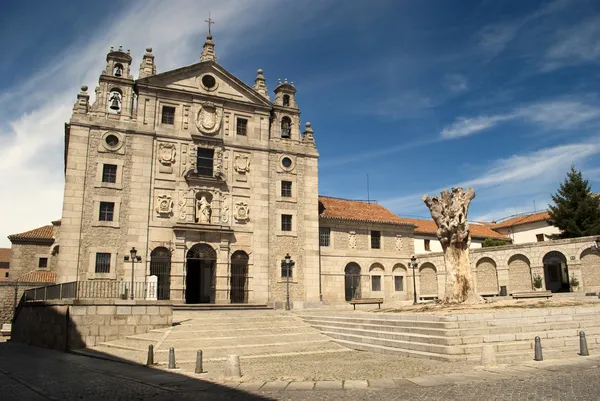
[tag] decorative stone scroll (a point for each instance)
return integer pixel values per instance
(241, 212)
(209, 118)
(182, 205)
(352, 239)
(224, 209)
(218, 164)
(164, 205)
(166, 157)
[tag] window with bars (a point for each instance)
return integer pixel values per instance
(286, 189)
(286, 222)
(204, 161)
(102, 262)
(168, 115)
(375, 239)
(375, 283)
(109, 173)
(43, 262)
(324, 236)
(427, 245)
(107, 211)
(242, 126)
(399, 283)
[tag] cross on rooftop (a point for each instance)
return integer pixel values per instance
(210, 22)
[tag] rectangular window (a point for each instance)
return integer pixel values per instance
(287, 270)
(375, 239)
(168, 115)
(102, 263)
(107, 211)
(286, 189)
(286, 222)
(399, 283)
(242, 126)
(539, 237)
(43, 262)
(109, 173)
(204, 161)
(324, 236)
(375, 283)
(427, 245)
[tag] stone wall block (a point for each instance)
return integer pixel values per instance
(152, 310)
(106, 310)
(123, 310)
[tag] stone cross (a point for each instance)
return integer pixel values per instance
(209, 21)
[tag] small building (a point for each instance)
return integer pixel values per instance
(526, 228)
(4, 264)
(34, 254)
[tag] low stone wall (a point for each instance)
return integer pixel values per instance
(10, 294)
(66, 324)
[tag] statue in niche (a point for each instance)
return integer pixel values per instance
(203, 210)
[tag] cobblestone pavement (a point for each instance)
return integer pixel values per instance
(28, 373)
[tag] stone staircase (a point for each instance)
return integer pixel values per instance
(248, 333)
(461, 337)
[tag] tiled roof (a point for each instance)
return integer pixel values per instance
(345, 209)
(4, 255)
(38, 276)
(44, 234)
(515, 221)
(477, 230)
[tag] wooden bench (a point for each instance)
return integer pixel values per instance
(532, 294)
(366, 301)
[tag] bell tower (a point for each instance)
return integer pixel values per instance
(286, 121)
(114, 93)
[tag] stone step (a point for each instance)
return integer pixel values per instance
(382, 349)
(384, 328)
(239, 325)
(223, 332)
(381, 321)
(246, 340)
(220, 307)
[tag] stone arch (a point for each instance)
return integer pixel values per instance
(553, 253)
(238, 281)
(519, 273)
(352, 281)
(399, 275)
(376, 271)
(487, 276)
(428, 280)
(160, 266)
(376, 266)
(590, 268)
(583, 249)
(556, 271)
(399, 268)
(200, 277)
(487, 256)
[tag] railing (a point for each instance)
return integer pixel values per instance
(97, 289)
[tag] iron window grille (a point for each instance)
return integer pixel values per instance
(43, 262)
(204, 161)
(375, 239)
(242, 126)
(107, 211)
(286, 222)
(109, 173)
(324, 236)
(102, 263)
(286, 189)
(287, 270)
(375, 283)
(168, 115)
(399, 283)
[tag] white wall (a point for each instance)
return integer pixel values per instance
(526, 233)
(435, 246)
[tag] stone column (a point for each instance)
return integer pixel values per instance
(222, 273)
(178, 272)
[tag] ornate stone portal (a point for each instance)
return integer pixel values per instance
(449, 211)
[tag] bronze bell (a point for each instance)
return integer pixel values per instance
(114, 105)
(118, 72)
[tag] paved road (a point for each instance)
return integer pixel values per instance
(28, 373)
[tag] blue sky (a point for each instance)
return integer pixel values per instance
(420, 95)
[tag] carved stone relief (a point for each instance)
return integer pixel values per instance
(209, 118)
(352, 239)
(166, 157)
(241, 163)
(218, 164)
(164, 205)
(182, 205)
(398, 242)
(224, 209)
(184, 159)
(241, 212)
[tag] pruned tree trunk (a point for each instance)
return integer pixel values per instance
(449, 211)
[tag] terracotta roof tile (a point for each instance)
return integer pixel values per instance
(38, 276)
(529, 218)
(477, 230)
(42, 233)
(4, 255)
(345, 209)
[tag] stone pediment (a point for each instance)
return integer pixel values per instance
(207, 78)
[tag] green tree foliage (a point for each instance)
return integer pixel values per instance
(493, 242)
(576, 210)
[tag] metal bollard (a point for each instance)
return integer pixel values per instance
(150, 360)
(172, 358)
(583, 349)
(538, 350)
(199, 362)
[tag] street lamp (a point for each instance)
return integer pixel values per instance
(134, 258)
(286, 266)
(596, 247)
(413, 263)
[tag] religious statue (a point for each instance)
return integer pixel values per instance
(203, 211)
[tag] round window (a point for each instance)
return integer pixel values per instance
(112, 140)
(286, 162)
(208, 81)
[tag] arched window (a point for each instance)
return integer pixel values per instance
(286, 100)
(160, 266)
(115, 100)
(286, 127)
(118, 70)
(238, 292)
(352, 281)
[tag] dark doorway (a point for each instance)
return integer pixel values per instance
(238, 292)
(556, 272)
(200, 275)
(352, 281)
(160, 266)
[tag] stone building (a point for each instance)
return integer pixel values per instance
(529, 227)
(34, 254)
(4, 263)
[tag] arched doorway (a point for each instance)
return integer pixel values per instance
(352, 281)
(238, 292)
(556, 273)
(200, 275)
(428, 281)
(160, 266)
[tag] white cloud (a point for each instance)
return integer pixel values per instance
(456, 83)
(468, 126)
(578, 45)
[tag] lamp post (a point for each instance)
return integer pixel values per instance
(413, 263)
(286, 264)
(134, 258)
(596, 246)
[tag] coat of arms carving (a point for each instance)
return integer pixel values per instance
(398, 242)
(164, 205)
(242, 211)
(166, 157)
(352, 239)
(242, 163)
(209, 118)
